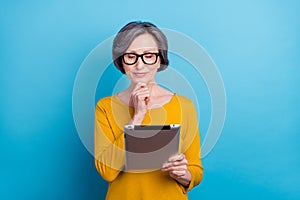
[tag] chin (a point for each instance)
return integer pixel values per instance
(145, 79)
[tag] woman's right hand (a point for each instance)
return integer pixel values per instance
(139, 98)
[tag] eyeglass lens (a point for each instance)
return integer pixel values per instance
(148, 58)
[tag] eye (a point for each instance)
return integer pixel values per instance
(149, 55)
(130, 56)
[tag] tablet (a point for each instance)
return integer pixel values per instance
(147, 147)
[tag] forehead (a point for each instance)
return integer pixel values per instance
(143, 42)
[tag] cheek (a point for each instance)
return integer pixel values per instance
(154, 70)
(127, 68)
(157, 66)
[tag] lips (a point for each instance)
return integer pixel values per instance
(139, 74)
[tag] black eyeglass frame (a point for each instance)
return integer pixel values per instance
(142, 56)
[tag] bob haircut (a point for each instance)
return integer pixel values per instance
(132, 30)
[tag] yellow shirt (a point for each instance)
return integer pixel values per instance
(111, 116)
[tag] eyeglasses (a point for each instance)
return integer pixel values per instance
(147, 58)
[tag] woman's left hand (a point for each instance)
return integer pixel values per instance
(177, 168)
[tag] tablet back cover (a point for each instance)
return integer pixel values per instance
(148, 147)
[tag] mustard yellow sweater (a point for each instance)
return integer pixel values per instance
(111, 116)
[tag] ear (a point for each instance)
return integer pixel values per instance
(157, 69)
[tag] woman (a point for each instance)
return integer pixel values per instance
(140, 50)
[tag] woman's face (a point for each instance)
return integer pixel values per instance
(139, 71)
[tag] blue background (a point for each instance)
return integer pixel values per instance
(255, 45)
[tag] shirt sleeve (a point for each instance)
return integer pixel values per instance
(109, 146)
(191, 147)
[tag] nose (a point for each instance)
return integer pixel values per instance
(139, 63)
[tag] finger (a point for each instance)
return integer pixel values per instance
(181, 157)
(178, 173)
(176, 157)
(169, 167)
(139, 90)
(146, 100)
(171, 164)
(141, 94)
(173, 176)
(140, 85)
(179, 163)
(170, 161)
(173, 158)
(173, 167)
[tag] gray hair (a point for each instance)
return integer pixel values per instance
(132, 30)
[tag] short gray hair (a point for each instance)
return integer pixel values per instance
(132, 30)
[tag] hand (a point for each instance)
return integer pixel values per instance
(139, 98)
(177, 168)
